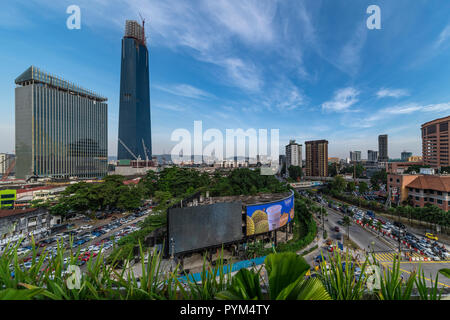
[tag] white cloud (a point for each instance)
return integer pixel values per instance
(169, 107)
(241, 74)
(407, 109)
(387, 113)
(185, 90)
(252, 20)
(443, 37)
(342, 101)
(349, 59)
(393, 93)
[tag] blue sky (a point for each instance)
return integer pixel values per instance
(309, 68)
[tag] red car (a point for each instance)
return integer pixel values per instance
(336, 229)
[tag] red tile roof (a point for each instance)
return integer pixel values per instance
(13, 212)
(438, 183)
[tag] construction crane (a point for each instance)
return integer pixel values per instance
(144, 38)
(128, 149)
(10, 167)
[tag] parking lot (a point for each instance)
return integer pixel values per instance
(89, 238)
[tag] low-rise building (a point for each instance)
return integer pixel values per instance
(7, 198)
(397, 186)
(400, 167)
(23, 223)
(430, 189)
(420, 189)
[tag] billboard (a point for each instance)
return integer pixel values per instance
(266, 217)
(197, 227)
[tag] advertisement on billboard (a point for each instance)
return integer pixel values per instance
(270, 216)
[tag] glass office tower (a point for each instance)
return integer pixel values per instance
(61, 129)
(134, 116)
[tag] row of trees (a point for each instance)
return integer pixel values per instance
(170, 183)
(244, 182)
(430, 213)
(87, 198)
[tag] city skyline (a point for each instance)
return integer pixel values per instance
(231, 69)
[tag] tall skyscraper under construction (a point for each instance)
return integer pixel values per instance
(135, 140)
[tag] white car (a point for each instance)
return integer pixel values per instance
(434, 257)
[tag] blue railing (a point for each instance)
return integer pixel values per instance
(196, 277)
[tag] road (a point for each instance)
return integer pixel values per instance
(385, 249)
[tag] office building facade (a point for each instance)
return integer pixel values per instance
(355, 156)
(316, 158)
(134, 115)
(61, 129)
(406, 155)
(383, 155)
(435, 143)
(293, 154)
(372, 156)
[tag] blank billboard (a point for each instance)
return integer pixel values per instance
(193, 228)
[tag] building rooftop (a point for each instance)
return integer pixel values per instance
(37, 75)
(431, 182)
(447, 118)
(14, 212)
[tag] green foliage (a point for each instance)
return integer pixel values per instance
(416, 168)
(342, 283)
(379, 177)
(351, 170)
(338, 184)
(363, 187)
(112, 193)
(295, 173)
(351, 186)
(245, 182)
(332, 170)
(445, 272)
(393, 287)
(245, 285)
(286, 273)
(214, 279)
(347, 222)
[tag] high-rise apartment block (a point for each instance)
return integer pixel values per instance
(435, 142)
(372, 156)
(317, 158)
(355, 156)
(61, 129)
(383, 155)
(293, 154)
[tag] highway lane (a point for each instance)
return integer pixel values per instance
(364, 239)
